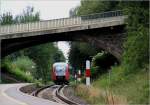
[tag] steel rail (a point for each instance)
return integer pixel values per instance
(35, 93)
(58, 94)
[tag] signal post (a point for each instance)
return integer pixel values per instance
(88, 73)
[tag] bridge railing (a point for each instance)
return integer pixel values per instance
(102, 15)
(58, 23)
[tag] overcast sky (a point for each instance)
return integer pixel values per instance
(49, 9)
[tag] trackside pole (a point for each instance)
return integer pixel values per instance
(75, 76)
(88, 73)
(79, 75)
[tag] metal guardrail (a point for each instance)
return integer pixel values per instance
(58, 23)
(102, 15)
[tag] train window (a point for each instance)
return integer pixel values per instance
(60, 70)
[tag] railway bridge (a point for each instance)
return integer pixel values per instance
(104, 30)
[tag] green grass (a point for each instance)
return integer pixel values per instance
(21, 75)
(134, 87)
(117, 88)
(91, 94)
(17, 73)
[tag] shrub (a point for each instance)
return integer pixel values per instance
(20, 75)
(136, 53)
(101, 63)
(15, 71)
(24, 63)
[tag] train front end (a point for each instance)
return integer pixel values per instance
(60, 73)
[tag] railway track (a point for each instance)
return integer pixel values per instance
(57, 94)
(36, 92)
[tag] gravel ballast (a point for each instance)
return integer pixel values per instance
(70, 94)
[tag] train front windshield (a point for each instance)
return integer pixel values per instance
(60, 70)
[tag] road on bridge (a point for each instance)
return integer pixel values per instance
(10, 95)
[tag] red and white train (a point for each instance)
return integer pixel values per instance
(60, 73)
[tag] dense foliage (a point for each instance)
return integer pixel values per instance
(102, 63)
(17, 69)
(127, 83)
(24, 63)
(136, 47)
(45, 56)
(79, 53)
(28, 15)
(136, 53)
(96, 6)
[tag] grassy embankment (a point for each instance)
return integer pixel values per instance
(117, 88)
(15, 72)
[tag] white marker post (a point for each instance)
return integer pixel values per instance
(79, 75)
(75, 76)
(87, 72)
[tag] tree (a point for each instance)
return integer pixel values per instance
(136, 52)
(44, 56)
(27, 16)
(6, 18)
(57, 56)
(79, 53)
(95, 6)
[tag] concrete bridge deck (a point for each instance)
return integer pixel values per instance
(107, 19)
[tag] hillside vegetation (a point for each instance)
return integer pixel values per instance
(126, 83)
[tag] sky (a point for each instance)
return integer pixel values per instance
(49, 9)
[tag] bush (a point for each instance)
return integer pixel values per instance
(95, 72)
(101, 63)
(15, 71)
(24, 63)
(136, 53)
(20, 75)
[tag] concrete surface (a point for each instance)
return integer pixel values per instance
(18, 31)
(11, 95)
